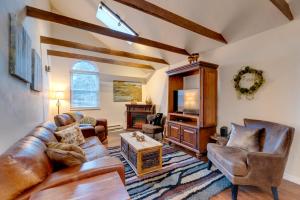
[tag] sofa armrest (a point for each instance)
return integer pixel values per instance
(266, 166)
(88, 169)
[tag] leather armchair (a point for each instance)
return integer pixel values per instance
(263, 168)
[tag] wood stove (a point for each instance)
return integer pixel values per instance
(137, 115)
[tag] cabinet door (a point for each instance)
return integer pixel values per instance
(174, 132)
(189, 136)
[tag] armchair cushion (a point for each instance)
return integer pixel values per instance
(232, 159)
(149, 128)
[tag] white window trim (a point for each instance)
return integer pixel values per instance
(71, 93)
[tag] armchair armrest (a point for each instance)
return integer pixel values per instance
(88, 131)
(266, 166)
(102, 122)
(86, 170)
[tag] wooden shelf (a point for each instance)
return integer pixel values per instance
(185, 115)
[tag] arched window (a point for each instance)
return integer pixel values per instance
(84, 86)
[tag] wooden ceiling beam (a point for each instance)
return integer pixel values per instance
(75, 45)
(173, 18)
(97, 59)
(60, 19)
(284, 7)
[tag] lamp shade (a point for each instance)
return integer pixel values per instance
(59, 94)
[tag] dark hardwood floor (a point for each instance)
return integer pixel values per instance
(287, 190)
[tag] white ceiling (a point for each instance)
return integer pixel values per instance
(234, 19)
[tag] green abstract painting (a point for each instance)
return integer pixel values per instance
(125, 91)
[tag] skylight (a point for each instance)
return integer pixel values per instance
(112, 20)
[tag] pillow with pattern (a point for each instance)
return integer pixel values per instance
(68, 158)
(88, 120)
(60, 128)
(72, 135)
(66, 147)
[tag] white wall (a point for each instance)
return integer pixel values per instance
(20, 108)
(114, 112)
(157, 89)
(277, 53)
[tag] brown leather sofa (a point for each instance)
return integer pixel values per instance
(100, 130)
(26, 169)
(263, 168)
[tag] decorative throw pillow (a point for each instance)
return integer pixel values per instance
(88, 120)
(157, 119)
(68, 158)
(60, 128)
(72, 135)
(65, 147)
(244, 137)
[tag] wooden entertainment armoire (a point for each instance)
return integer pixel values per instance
(188, 130)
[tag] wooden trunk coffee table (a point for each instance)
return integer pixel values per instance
(144, 157)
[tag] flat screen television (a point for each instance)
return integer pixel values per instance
(187, 101)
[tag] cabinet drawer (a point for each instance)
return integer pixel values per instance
(189, 136)
(174, 132)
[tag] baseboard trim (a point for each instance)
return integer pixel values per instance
(292, 178)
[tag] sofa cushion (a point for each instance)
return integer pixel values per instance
(72, 135)
(43, 134)
(244, 137)
(91, 141)
(95, 152)
(63, 120)
(233, 159)
(23, 166)
(149, 128)
(68, 158)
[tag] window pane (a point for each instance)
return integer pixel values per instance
(111, 21)
(84, 66)
(84, 86)
(85, 82)
(84, 99)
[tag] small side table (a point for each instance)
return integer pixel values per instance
(219, 140)
(108, 186)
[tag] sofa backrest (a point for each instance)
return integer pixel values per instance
(22, 166)
(25, 163)
(63, 120)
(275, 138)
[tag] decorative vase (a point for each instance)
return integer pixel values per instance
(148, 101)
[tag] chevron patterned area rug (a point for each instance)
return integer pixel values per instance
(182, 177)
